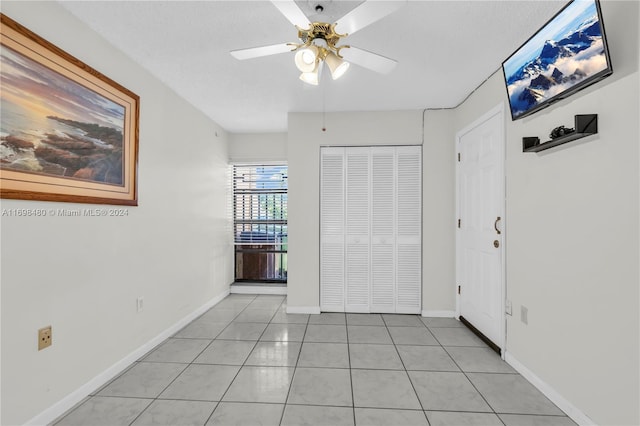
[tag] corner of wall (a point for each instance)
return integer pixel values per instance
(438, 223)
(257, 147)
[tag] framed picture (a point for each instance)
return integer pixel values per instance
(68, 133)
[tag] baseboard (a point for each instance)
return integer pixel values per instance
(571, 410)
(410, 311)
(71, 400)
(258, 289)
(303, 310)
(439, 314)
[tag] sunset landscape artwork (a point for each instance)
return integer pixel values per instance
(54, 126)
(67, 132)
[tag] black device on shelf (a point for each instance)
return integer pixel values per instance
(560, 131)
(585, 125)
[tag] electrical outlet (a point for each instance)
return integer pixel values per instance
(44, 338)
(139, 304)
(507, 307)
(524, 314)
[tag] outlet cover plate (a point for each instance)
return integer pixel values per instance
(44, 338)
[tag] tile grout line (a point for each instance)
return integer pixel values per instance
(465, 375)
(295, 369)
(353, 397)
(424, 413)
(473, 384)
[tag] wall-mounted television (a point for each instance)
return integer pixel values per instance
(567, 54)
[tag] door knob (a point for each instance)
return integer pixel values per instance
(496, 243)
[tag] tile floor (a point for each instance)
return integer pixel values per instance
(247, 362)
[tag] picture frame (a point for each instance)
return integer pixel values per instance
(68, 133)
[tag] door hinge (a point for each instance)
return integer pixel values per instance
(458, 157)
(458, 289)
(459, 222)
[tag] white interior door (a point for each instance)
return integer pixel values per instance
(480, 235)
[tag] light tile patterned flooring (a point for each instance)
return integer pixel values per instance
(247, 362)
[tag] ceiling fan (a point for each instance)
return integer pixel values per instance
(318, 40)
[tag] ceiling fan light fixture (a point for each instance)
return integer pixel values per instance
(306, 58)
(310, 78)
(320, 42)
(313, 77)
(337, 65)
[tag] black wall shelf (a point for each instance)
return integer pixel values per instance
(585, 125)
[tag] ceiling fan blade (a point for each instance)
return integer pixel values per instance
(292, 12)
(367, 13)
(256, 52)
(370, 60)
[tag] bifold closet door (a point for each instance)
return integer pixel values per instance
(409, 229)
(383, 246)
(371, 229)
(357, 214)
(332, 229)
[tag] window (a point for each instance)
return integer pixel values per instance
(260, 222)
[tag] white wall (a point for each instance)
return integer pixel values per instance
(572, 236)
(82, 275)
(305, 138)
(257, 147)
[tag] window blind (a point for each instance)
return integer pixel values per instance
(260, 205)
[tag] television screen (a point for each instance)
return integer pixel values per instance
(567, 54)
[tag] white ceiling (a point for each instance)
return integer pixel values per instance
(444, 49)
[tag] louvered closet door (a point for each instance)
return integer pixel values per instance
(409, 229)
(370, 229)
(383, 204)
(332, 230)
(357, 267)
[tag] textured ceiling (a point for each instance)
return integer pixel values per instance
(444, 49)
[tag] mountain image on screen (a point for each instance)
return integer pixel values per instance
(573, 56)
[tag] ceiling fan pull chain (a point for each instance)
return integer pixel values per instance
(324, 113)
